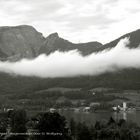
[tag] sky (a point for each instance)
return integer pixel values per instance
(74, 20)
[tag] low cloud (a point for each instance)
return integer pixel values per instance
(72, 63)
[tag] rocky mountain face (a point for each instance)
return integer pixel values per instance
(19, 42)
(134, 38)
(25, 42)
(53, 42)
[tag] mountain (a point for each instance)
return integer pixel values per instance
(19, 42)
(26, 42)
(53, 42)
(134, 38)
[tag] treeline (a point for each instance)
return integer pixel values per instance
(111, 130)
(58, 99)
(16, 125)
(54, 95)
(124, 79)
(70, 95)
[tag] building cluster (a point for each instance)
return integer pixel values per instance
(123, 108)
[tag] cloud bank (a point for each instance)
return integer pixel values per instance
(72, 63)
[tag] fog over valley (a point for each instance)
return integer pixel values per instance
(72, 63)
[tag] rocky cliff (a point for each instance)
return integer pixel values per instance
(25, 42)
(19, 42)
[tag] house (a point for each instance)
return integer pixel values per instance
(119, 108)
(52, 110)
(86, 109)
(93, 104)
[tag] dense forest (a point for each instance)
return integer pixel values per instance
(125, 79)
(16, 125)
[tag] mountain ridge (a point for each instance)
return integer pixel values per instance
(9, 84)
(24, 41)
(19, 42)
(54, 42)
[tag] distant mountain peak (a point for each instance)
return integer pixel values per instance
(134, 38)
(3, 28)
(53, 42)
(17, 42)
(53, 35)
(50, 40)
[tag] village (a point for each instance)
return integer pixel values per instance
(96, 107)
(95, 100)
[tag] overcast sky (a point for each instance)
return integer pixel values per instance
(75, 20)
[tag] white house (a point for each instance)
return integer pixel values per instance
(52, 110)
(86, 109)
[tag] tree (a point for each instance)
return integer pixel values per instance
(52, 126)
(73, 128)
(18, 124)
(83, 132)
(111, 121)
(18, 121)
(3, 126)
